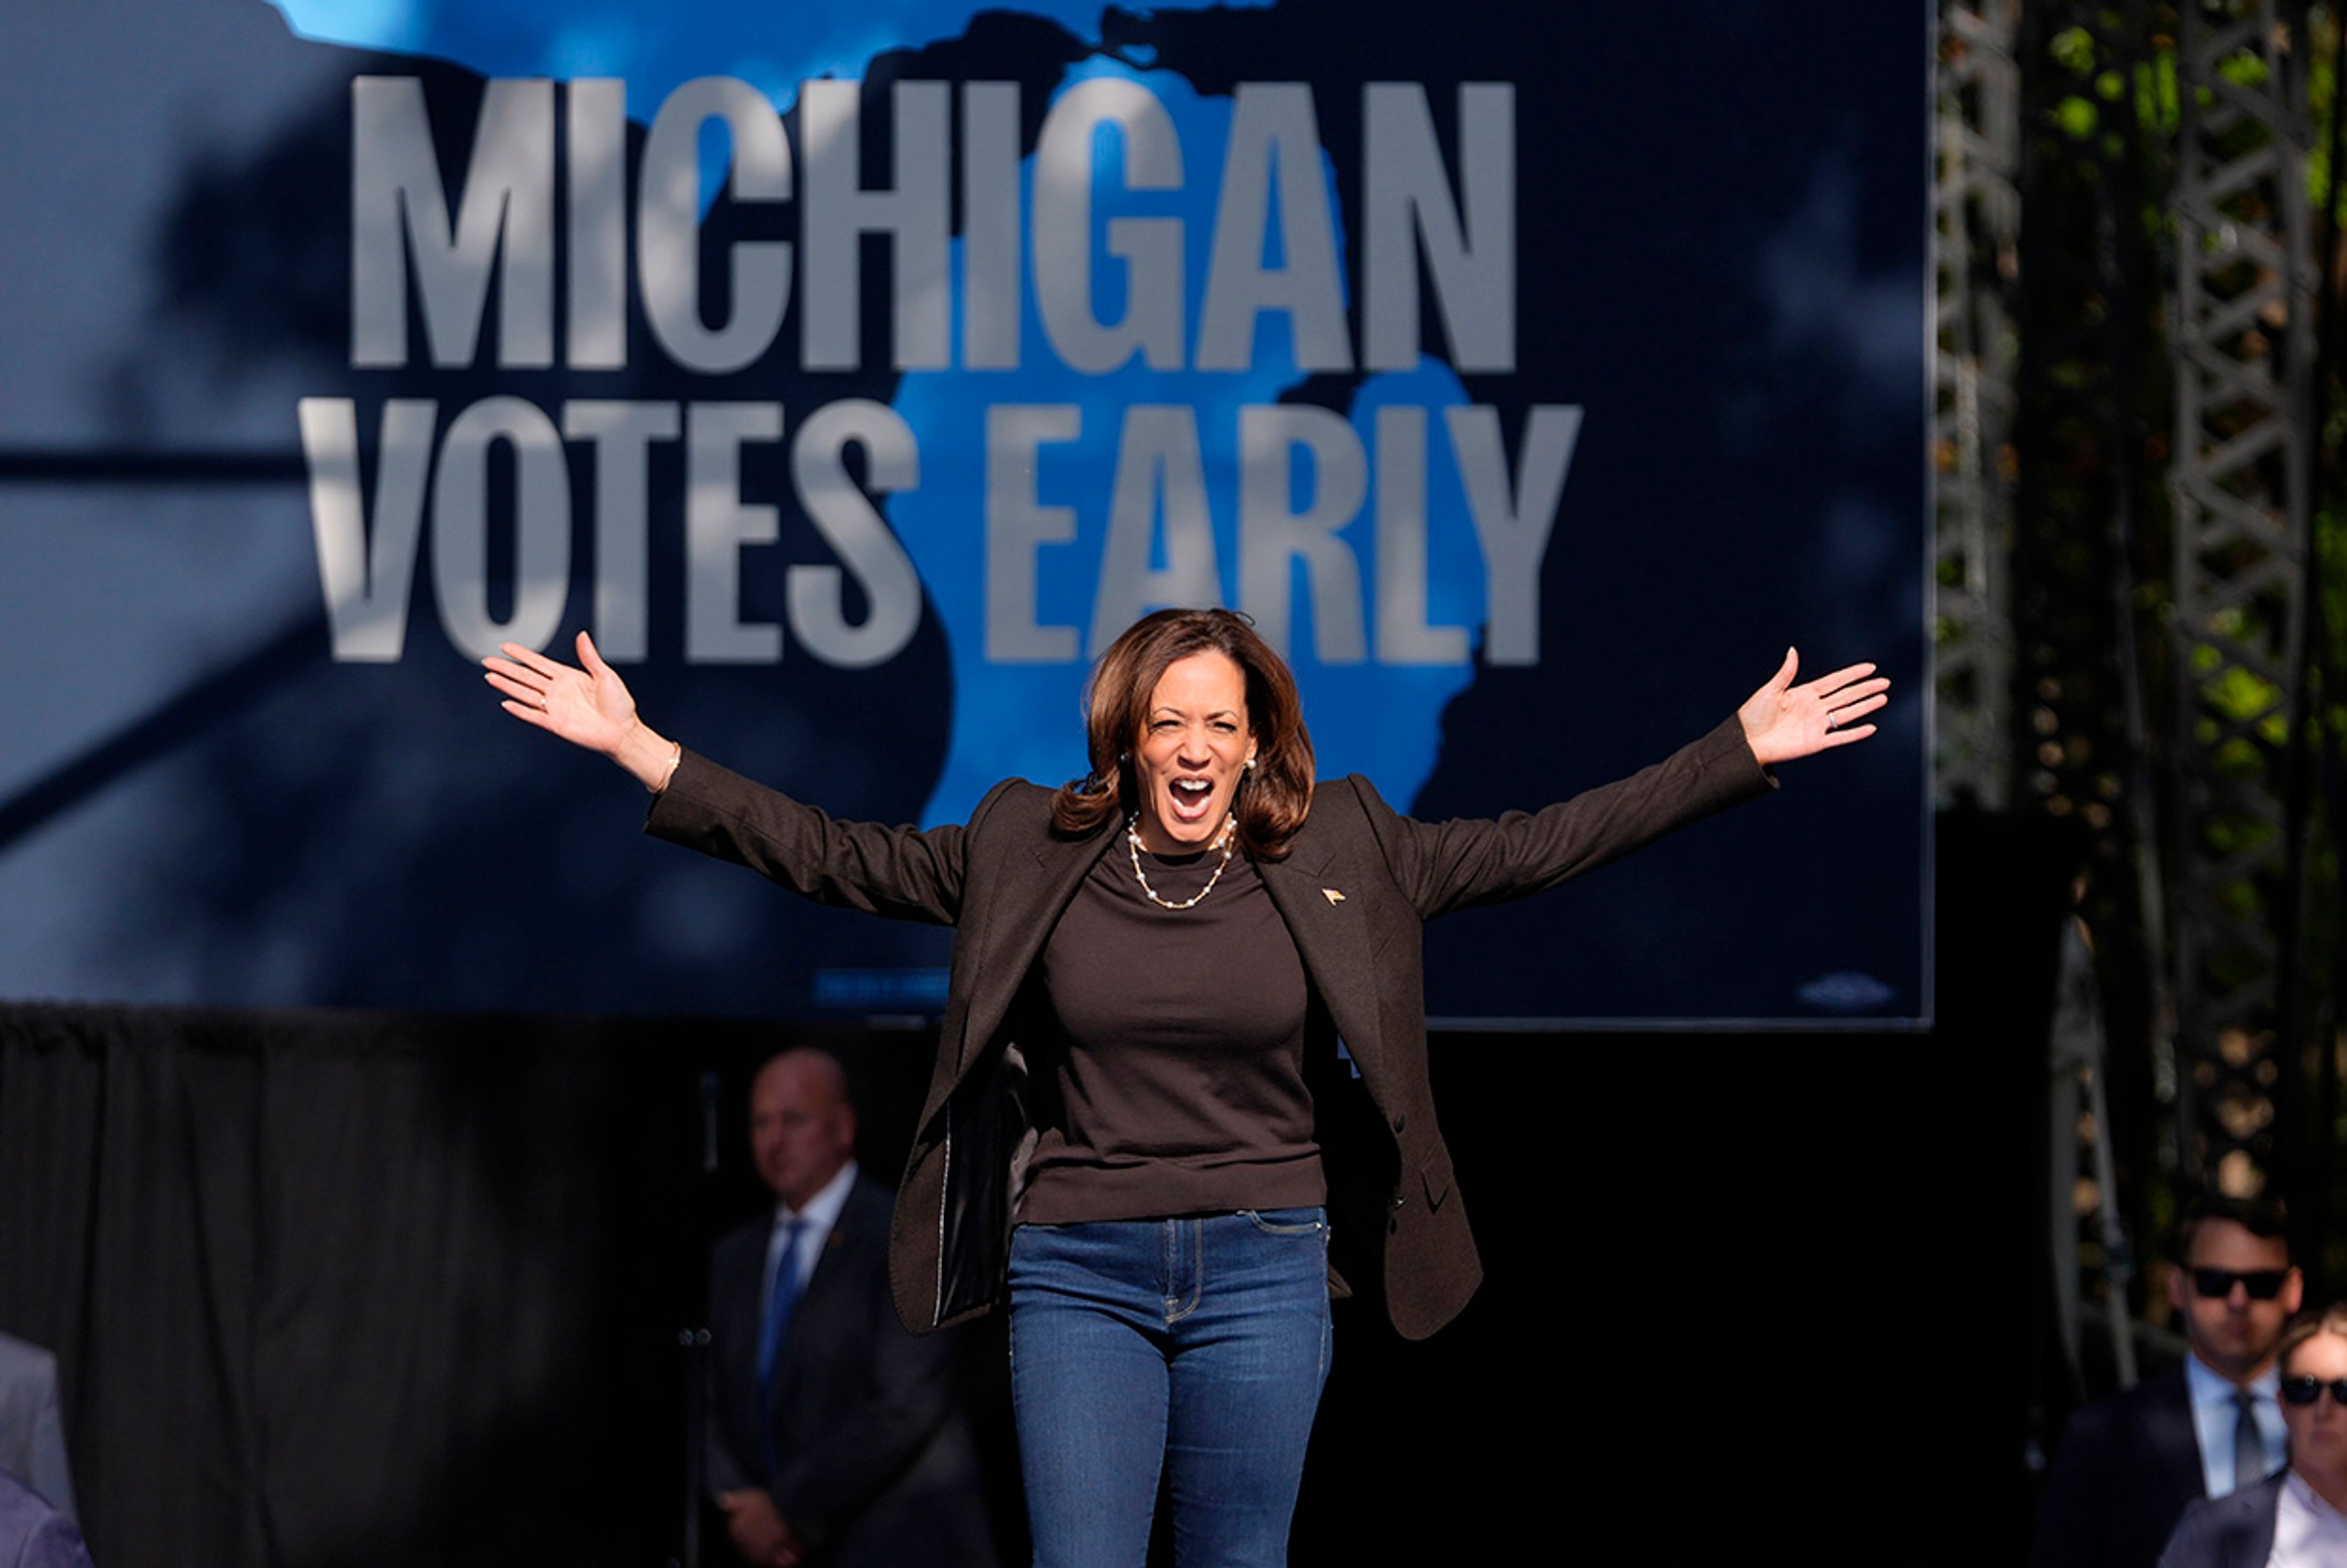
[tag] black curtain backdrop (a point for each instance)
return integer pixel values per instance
(336, 1289)
(351, 1288)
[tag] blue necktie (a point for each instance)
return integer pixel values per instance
(782, 1300)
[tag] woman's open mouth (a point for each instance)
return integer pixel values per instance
(1191, 798)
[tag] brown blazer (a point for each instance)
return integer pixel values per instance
(1356, 884)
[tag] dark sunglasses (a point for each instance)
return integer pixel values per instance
(2304, 1390)
(2263, 1284)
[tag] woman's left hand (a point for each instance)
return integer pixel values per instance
(1782, 721)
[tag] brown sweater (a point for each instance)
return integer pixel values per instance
(1172, 1073)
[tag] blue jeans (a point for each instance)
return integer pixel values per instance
(1200, 1344)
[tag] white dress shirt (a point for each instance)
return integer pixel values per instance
(2308, 1532)
(2214, 1414)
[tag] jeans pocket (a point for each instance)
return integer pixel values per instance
(1288, 1222)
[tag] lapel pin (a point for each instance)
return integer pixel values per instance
(1331, 895)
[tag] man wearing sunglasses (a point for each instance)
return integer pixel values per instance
(2131, 1464)
(2297, 1519)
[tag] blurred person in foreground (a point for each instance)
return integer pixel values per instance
(2297, 1519)
(33, 1533)
(2130, 1465)
(32, 1431)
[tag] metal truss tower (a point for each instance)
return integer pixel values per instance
(2133, 659)
(1976, 215)
(2242, 350)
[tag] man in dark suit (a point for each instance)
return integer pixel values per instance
(2128, 1465)
(839, 1437)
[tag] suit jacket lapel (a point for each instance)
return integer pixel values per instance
(1012, 928)
(2167, 1422)
(2251, 1513)
(1326, 912)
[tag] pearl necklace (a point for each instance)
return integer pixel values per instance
(1133, 847)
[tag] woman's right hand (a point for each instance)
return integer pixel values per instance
(589, 707)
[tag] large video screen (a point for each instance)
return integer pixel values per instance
(1533, 375)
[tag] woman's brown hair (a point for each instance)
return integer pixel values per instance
(1276, 792)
